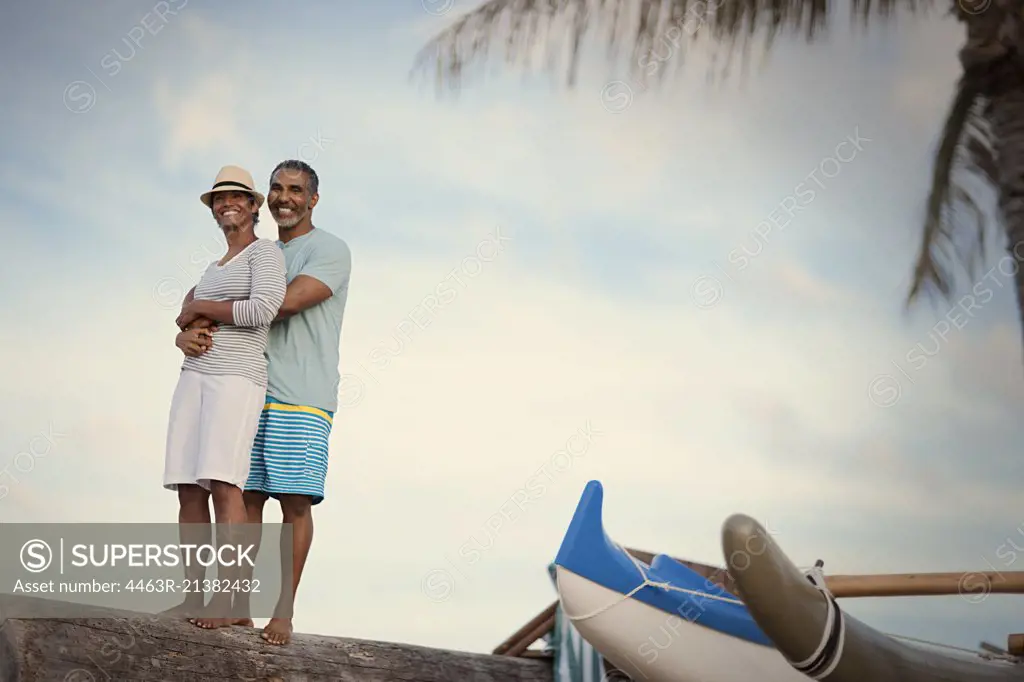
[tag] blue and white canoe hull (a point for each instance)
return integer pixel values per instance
(657, 634)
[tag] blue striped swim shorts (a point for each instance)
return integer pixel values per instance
(289, 454)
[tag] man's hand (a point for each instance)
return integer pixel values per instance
(196, 341)
(187, 316)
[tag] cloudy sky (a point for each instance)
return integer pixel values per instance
(706, 279)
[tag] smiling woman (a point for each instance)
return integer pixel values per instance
(216, 406)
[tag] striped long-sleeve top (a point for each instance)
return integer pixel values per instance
(255, 280)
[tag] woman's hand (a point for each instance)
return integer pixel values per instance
(195, 342)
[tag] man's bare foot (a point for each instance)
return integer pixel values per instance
(278, 631)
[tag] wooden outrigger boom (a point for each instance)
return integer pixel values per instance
(970, 584)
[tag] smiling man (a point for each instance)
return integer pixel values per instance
(289, 458)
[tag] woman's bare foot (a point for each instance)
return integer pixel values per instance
(214, 623)
(278, 631)
(212, 617)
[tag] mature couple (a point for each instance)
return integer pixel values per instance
(252, 412)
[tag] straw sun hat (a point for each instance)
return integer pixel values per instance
(233, 179)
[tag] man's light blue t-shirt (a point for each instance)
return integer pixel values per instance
(303, 350)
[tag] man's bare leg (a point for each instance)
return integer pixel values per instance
(193, 529)
(228, 509)
(296, 510)
(254, 502)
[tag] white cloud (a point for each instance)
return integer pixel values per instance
(204, 120)
(927, 71)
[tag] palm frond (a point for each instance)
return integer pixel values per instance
(956, 226)
(527, 24)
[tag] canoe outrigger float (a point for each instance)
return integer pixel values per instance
(801, 616)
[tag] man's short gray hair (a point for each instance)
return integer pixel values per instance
(313, 180)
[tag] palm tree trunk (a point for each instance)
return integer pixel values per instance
(994, 54)
(1007, 117)
(1006, 114)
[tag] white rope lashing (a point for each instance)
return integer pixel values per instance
(647, 582)
(824, 660)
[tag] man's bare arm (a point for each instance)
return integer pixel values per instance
(303, 292)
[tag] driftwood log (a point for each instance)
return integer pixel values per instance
(145, 648)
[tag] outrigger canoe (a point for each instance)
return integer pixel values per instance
(812, 632)
(660, 622)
